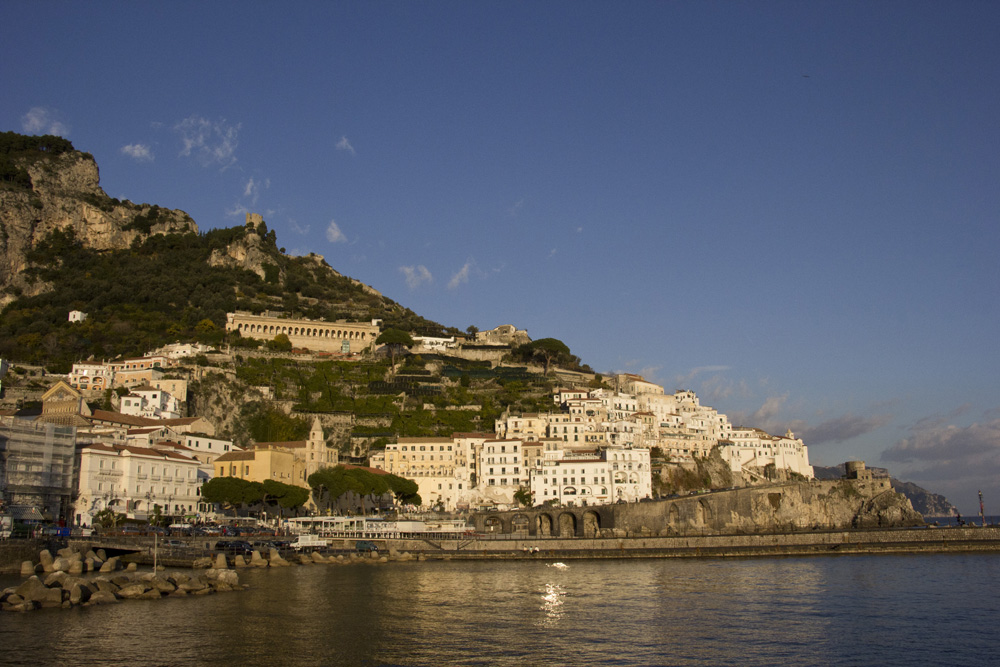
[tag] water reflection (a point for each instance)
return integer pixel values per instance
(552, 602)
(680, 612)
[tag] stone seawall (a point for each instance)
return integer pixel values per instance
(14, 552)
(916, 540)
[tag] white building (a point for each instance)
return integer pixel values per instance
(206, 448)
(596, 477)
(431, 344)
(77, 316)
(147, 401)
(751, 450)
(501, 465)
(133, 480)
(181, 350)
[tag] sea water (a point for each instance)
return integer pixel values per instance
(834, 610)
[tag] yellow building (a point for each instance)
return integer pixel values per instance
(288, 462)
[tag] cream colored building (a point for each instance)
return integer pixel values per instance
(133, 480)
(206, 448)
(751, 450)
(432, 463)
(597, 477)
(91, 376)
(343, 337)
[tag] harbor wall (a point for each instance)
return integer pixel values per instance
(913, 540)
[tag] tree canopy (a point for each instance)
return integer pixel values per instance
(234, 492)
(547, 350)
(339, 480)
(395, 341)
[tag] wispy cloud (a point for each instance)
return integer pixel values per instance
(836, 429)
(841, 428)
(938, 442)
(687, 378)
(950, 459)
(210, 142)
(515, 208)
(719, 387)
(254, 187)
(139, 152)
(345, 145)
(461, 277)
(43, 120)
(333, 233)
(416, 275)
(297, 228)
(552, 253)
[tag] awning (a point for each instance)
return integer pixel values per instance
(26, 513)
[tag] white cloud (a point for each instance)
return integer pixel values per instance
(253, 188)
(140, 152)
(516, 208)
(552, 253)
(333, 233)
(416, 275)
(297, 228)
(461, 277)
(211, 142)
(579, 229)
(842, 428)
(345, 145)
(42, 120)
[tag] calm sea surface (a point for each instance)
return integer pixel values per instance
(849, 610)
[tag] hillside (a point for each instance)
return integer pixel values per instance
(145, 275)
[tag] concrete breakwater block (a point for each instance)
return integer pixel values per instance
(276, 560)
(27, 568)
(60, 589)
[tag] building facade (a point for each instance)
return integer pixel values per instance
(752, 451)
(36, 466)
(342, 337)
(134, 480)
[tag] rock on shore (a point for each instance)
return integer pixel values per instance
(61, 589)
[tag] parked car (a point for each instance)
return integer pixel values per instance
(234, 547)
(365, 546)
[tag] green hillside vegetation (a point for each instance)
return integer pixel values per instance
(421, 399)
(162, 290)
(15, 148)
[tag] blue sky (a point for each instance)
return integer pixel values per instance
(788, 207)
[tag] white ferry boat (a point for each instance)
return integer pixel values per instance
(377, 527)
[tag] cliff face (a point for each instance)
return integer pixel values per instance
(65, 194)
(245, 253)
(923, 501)
(791, 506)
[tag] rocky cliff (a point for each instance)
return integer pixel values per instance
(923, 501)
(64, 193)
